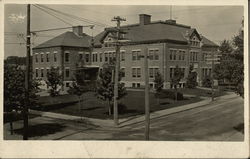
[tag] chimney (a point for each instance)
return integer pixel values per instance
(171, 21)
(77, 30)
(145, 19)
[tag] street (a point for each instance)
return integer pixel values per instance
(221, 120)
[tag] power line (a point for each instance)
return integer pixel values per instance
(75, 17)
(52, 14)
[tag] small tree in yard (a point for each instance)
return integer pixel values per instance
(191, 79)
(175, 80)
(14, 90)
(158, 85)
(54, 80)
(79, 86)
(207, 82)
(105, 86)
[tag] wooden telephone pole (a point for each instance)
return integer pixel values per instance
(117, 67)
(27, 78)
(147, 109)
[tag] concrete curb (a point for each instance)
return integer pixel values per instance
(130, 120)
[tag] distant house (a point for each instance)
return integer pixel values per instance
(166, 43)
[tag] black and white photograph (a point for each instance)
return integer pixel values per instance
(123, 72)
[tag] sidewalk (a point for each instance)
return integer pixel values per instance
(134, 119)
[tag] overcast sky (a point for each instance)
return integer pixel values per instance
(215, 22)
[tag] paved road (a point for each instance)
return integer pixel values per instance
(214, 122)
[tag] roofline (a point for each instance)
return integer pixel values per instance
(59, 46)
(153, 22)
(150, 42)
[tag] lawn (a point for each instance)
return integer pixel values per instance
(134, 102)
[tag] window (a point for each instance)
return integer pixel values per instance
(151, 85)
(180, 55)
(36, 57)
(67, 84)
(133, 72)
(138, 72)
(80, 55)
(41, 57)
(100, 57)
(171, 72)
(110, 56)
(55, 56)
(37, 72)
(133, 85)
(151, 72)
(183, 72)
(106, 57)
(66, 57)
(42, 75)
(136, 55)
(195, 42)
(93, 57)
(47, 57)
(122, 55)
(123, 72)
(47, 72)
(156, 54)
(151, 54)
(171, 55)
(193, 56)
(87, 57)
(183, 55)
(174, 54)
(156, 70)
(67, 72)
(138, 85)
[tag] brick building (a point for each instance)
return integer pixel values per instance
(67, 51)
(167, 43)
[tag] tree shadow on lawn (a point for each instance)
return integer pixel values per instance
(41, 129)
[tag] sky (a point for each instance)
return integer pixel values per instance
(215, 22)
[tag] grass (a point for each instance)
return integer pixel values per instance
(134, 102)
(41, 129)
(8, 117)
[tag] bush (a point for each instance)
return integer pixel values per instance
(170, 94)
(207, 82)
(121, 109)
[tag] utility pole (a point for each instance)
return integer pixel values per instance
(212, 74)
(147, 109)
(27, 78)
(170, 12)
(117, 67)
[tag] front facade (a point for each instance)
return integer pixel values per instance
(164, 54)
(68, 52)
(166, 43)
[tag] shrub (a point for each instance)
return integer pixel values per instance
(171, 95)
(207, 82)
(121, 108)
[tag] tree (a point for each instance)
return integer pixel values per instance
(158, 85)
(192, 77)
(105, 85)
(207, 82)
(175, 80)
(54, 80)
(79, 86)
(14, 90)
